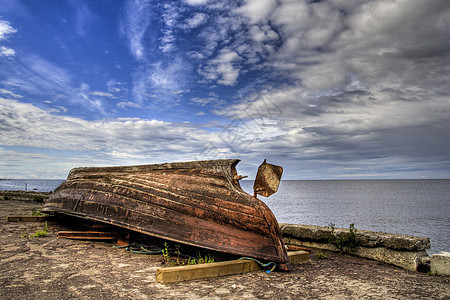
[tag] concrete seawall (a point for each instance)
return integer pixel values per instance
(404, 251)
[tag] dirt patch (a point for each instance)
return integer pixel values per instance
(52, 267)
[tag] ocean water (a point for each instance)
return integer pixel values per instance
(39, 185)
(413, 207)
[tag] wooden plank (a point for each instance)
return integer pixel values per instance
(298, 257)
(88, 235)
(231, 267)
(297, 248)
(28, 218)
(223, 268)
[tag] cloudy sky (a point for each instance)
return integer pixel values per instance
(333, 89)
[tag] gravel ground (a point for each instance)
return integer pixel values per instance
(57, 268)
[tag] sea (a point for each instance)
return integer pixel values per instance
(38, 185)
(413, 207)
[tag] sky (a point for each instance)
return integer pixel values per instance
(332, 89)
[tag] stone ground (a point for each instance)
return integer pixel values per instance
(57, 268)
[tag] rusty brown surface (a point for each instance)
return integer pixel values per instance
(267, 179)
(197, 203)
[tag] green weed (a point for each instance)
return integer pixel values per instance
(176, 258)
(35, 213)
(205, 259)
(41, 233)
(345, 242)
(165, 253)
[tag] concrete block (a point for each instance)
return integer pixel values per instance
(409, 260)
(440, 263)
(365, 238)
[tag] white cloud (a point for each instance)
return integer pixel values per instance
(325, 43)
(258, 10)
(115, 86)
(6, 29)
(165, 77)
(128, 104)
(9, 83)
(58, 109)
(224, 68)
(73, 142)
(168, 41)
(196, 2)
(170, 18)
(82, 96)
(160, 82)
(10, 94)
(102, 94)
(196, 20)
(135, 24)
(358, 127)
(34, 75)
(21, 164)
(262, 33)
(26, 125)
(213, 101)
(39, 76)
(4, 51)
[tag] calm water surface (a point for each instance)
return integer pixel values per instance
(414, 207)
(40, 185)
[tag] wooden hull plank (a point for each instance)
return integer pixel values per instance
(196, 203)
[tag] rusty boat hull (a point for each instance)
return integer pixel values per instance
(197, 203)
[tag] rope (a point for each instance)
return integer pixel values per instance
(139, 249)
(263, 265)
(144, 249)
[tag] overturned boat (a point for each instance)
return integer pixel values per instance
(198, 203)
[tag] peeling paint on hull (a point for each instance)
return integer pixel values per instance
(197, 203)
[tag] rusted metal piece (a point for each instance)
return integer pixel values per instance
(267, 179)
(123, 241)
(197, 203)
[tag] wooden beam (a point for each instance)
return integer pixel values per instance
(297, 248)
(231, 267)
(28, 218)
(298, 257)
(176, 274)
(88, 235)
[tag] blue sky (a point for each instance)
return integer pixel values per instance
(327, 89)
